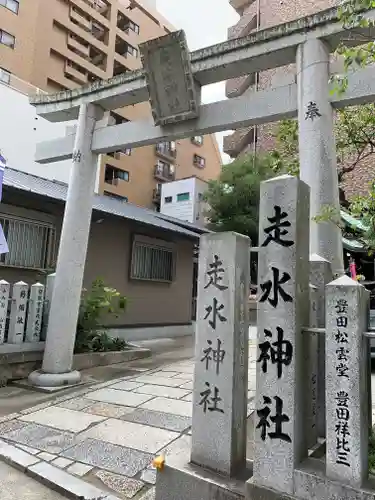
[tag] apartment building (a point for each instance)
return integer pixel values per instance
(261, 14)
(61, 44)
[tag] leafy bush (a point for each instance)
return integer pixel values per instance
(100, 301)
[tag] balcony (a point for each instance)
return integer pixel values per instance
(248, 23)
(82, 21)
(73, 73)
(166, 150)
(126, 25)
(113, 175)
(238, 86)
(99, 32)
(100, 6)
(156, 196)
(240, 5)
(78, 47)
(113, 182)
(237, 142)
(164, 173)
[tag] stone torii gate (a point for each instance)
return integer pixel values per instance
(172, 79)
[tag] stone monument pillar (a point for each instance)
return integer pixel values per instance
(317, 150)
(320, 275)
(347, 381)
(283, 277)
(221, 354)
(67, 289)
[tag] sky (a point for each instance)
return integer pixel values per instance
(203, 25)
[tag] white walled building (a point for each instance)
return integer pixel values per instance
(183, 199)
(21, 129)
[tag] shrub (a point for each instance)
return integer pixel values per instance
(100, 301)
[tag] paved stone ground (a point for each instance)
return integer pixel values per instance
(109, 433)
(14, 484)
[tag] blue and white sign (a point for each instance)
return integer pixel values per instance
(3, 242)
(2, 170)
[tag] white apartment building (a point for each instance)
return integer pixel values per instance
(21, 129)
(184, 200)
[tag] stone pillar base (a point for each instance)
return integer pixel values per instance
(185, 481)
(42, 379)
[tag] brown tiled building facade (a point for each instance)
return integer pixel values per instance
(261, 14)
(61, 44)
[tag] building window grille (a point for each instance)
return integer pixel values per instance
(31, 244)
(151, 262)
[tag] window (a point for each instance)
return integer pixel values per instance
(151, 261)
(4, 76)
(197, 139)
(168, 199)
(134, 27)
(132, 50)
(7, 39)
(31, 244)
(199, 161)
(12, 5)
(183, 197)
(124, 199)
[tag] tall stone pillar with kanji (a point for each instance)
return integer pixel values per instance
(283, 279)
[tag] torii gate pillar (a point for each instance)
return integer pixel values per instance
(66, 295)
(317, 149)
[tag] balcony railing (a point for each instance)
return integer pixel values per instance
(81, 20)
(72, 72)
(166, 150)
(114, 181)
(73, 43)
(163, 173)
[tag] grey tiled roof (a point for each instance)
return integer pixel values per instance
(58, 191)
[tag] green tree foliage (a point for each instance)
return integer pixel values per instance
(234, 198)
(358, 28)
(363, 207)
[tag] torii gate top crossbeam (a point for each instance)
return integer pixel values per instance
(260, 51)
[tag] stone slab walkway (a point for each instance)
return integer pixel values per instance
(108, 434)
